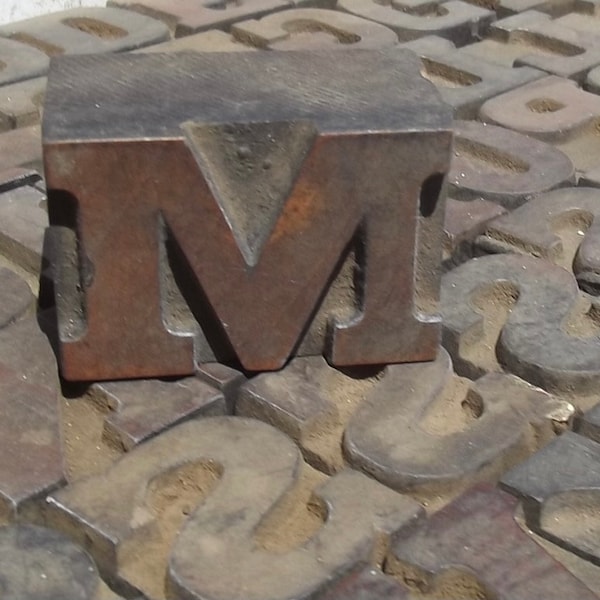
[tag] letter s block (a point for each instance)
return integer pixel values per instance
(244, 208)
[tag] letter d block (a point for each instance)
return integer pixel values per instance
(244, 208)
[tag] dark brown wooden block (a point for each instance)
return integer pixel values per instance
(245, 228)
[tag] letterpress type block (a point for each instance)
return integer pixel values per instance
(296, 213)
(534, 338)
(475, 545)
(534, 229)
(31, 461)
(248, 475)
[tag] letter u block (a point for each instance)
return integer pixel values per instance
(244, 208)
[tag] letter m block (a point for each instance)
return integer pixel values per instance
(244, 207)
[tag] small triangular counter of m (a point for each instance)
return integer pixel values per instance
(251, 169)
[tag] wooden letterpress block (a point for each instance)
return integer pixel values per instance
(245, 207)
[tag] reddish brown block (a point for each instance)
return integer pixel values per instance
(534, 229)
(86, 30)
(504, 167)
(458, 21)
(513, 312)
(240, 291)
(553, 110)
(189, 16)
(30, 448)
(306, 29)
(261, 484)
(534, 39)
(23, 220)
(21, 103)
(475, 544)
(416, 428)
(39, 564)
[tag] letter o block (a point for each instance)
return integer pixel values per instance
(244, 208)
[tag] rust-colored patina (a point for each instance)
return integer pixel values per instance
(245, 208)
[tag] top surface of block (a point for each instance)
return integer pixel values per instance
(124, 96)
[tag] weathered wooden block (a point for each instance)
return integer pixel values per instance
(534, 39)
(21, 103)
(466, 82)
(503, 166)
(532, 229)
(23, 219)
(412, 19)
(474, 548)
(21, 148)
(367, 584)
(85, 30)
(311, 29)
(417, 428)
(463, 223)
(297, 214)
(553, 110)
(218, 492)
(530, 335)
(20, 62)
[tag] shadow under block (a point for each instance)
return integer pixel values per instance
(298, 214)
